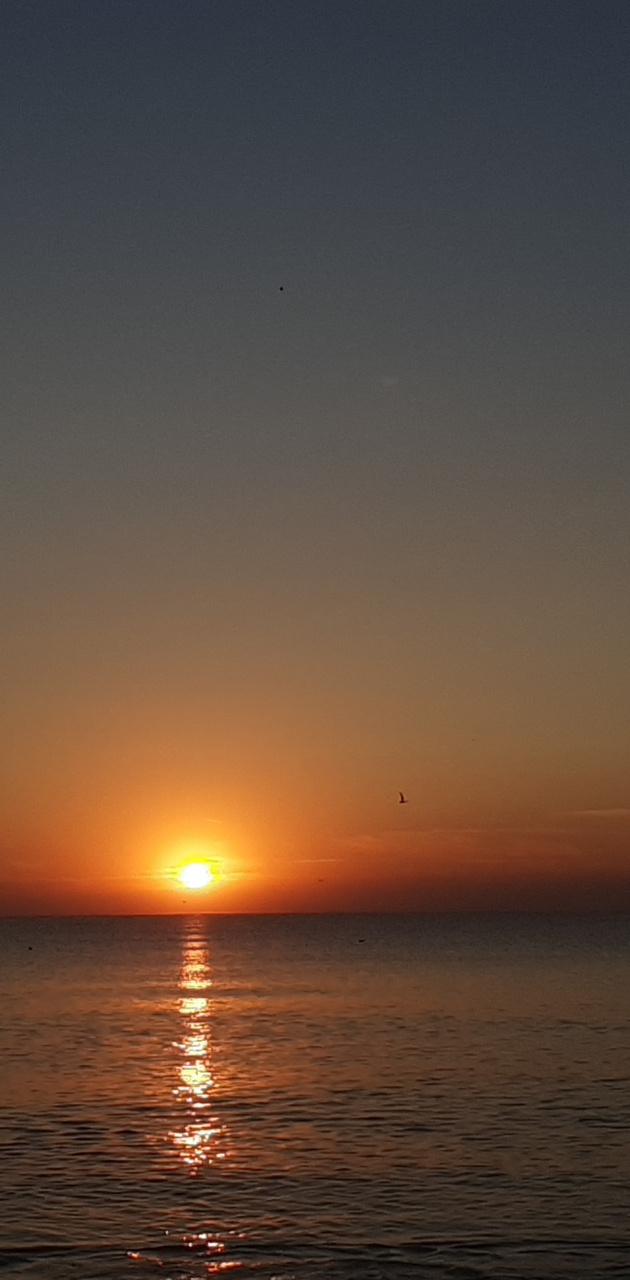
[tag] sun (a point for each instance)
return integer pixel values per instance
(196, 875)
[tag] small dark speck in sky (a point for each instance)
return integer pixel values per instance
(428, 452)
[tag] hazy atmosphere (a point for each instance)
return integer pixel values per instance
(315, 519)
(316, 455)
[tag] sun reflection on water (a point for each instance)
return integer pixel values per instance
(199, 1138)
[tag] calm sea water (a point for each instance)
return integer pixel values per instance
(319, 1097)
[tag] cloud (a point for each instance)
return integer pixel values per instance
(599, 813)
(452, 848)
(389, 836)
(314, 861)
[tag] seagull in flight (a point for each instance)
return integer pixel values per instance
(403, 798)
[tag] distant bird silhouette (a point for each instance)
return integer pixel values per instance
(403, 798)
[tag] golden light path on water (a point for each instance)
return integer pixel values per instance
(200, 1139)
(197, 1137)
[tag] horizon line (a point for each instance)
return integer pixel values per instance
(622, 910)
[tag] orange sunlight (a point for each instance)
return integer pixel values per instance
(196, 875)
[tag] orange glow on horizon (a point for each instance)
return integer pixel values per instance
(418, 857)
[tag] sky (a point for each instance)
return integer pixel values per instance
(314, 479)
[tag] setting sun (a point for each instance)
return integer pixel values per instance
(197, 875)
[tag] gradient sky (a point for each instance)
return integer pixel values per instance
(316, 454)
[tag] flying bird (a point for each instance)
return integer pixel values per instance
(403, 798)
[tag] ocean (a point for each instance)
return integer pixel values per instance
(316, 1097)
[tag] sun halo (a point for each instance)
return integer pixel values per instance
(195, 875)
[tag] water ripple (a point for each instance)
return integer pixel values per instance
(195, 1098)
